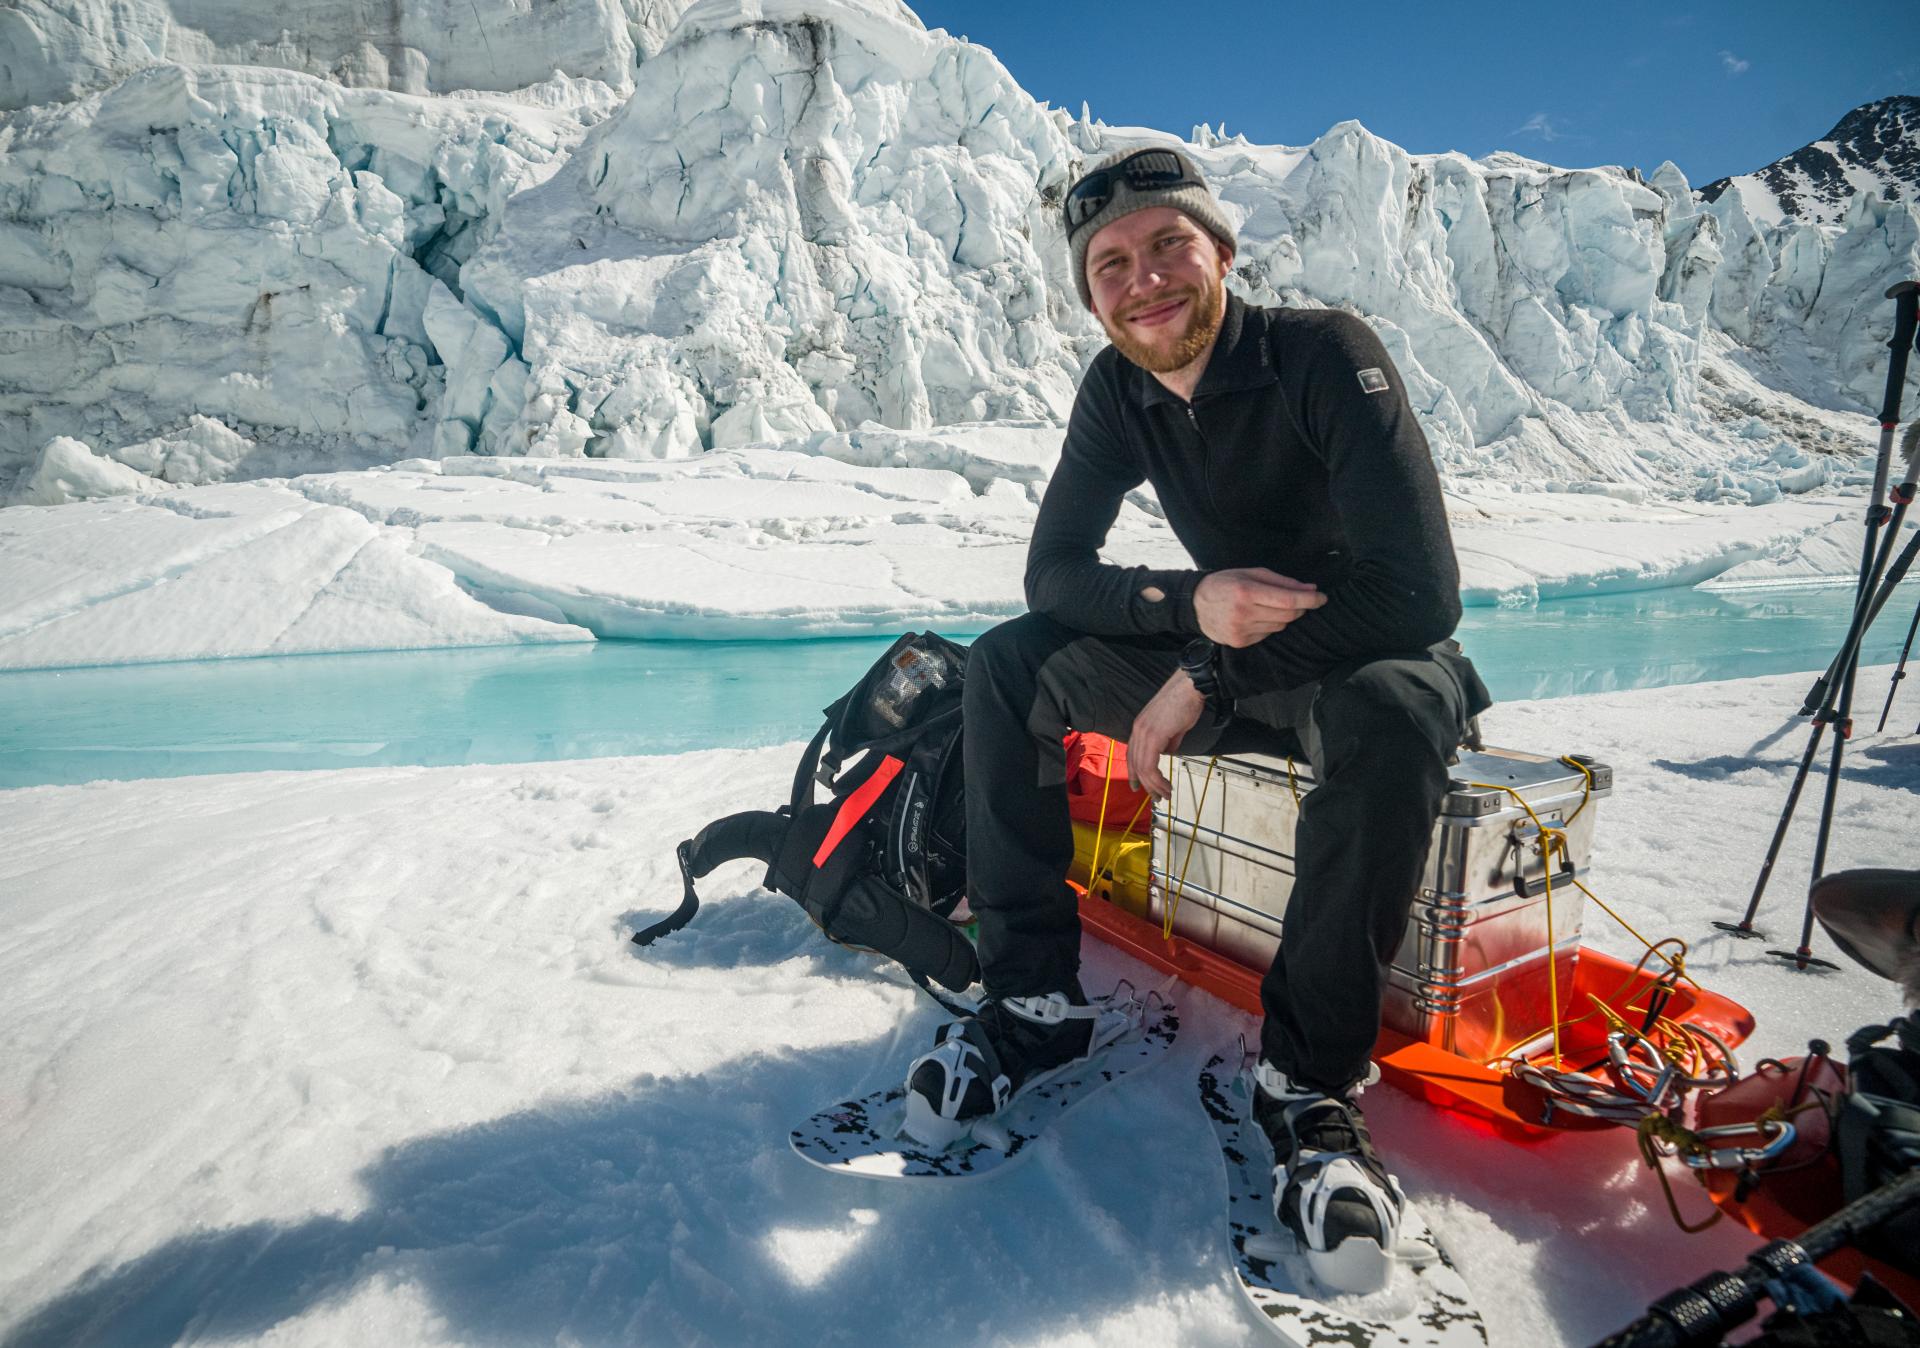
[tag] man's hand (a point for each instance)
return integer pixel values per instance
(1158, 729)
(1249, 604)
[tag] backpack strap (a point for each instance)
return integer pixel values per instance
(959, 1010)
(689, 901)
(855, 807)
(802, 793)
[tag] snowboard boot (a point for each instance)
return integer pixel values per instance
(1330, 1188)
(980, 1063)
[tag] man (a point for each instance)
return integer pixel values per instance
(1289, 464)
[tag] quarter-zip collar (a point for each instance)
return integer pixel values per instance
(1239, 361)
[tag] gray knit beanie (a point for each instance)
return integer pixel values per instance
(1194, 197)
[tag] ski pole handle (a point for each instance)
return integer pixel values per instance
(1906, 319)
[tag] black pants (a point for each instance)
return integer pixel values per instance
(1379, 734)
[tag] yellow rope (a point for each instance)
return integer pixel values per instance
(1677, 963)
(1093, 862)
(1602, 1003)
(1293, 783)
(1586, 791)
(1099, 828)
(1193, 836)
(1550, 840)
(1659, 1128)
(1586, 794)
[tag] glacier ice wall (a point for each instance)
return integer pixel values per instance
(800, 218)
(1807, 300)
(791, 226)
(53, 50)
(254, 246)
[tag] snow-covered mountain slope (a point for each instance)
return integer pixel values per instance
(807, 217)
(1875, 148)
(53, 50)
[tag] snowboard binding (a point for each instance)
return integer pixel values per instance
(1331, 1190)
(980, 1065)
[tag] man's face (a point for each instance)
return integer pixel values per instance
(1158, 284)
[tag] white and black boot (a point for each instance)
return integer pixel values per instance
(1330, 1188)
(980, 1063)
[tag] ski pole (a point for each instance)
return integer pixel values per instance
(1911, 444)
(1906, 648)
(1744, 928)
(1819, 705)
(1824, 716)
(1906, 309)
(1707, 1308)
(1866, 608)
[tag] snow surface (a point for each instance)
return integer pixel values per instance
(364, 1056)
(864, 532)
(805, 217)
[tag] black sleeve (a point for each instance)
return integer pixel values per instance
(1066, 579)
(1401, 592)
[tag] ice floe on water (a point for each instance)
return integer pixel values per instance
(243, 569)
(842, 533)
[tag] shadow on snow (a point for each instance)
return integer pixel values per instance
(671, 1211)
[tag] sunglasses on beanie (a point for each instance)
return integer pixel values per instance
(1144, 171)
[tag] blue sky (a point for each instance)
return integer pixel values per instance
(1717, 88)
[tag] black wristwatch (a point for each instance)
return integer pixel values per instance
(1200, 662)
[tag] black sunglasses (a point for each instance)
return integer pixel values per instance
(1142, 171)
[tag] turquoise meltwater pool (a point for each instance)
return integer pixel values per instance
(524, 704)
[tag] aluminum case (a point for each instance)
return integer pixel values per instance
(1471, 973)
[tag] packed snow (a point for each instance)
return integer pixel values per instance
(869, 532)
(365, 1056)
(753, 222)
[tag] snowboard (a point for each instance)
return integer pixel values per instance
(862, 1137)
(1427, 1305)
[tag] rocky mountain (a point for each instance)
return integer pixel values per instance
(1875, 148)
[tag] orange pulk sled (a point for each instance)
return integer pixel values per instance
(1493, 1005)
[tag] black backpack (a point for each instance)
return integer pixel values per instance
(882, 864)
(1878, 1132)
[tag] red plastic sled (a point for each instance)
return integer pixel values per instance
(1512, 1107)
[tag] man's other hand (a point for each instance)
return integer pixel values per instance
(1158, 729)
(1249, 604)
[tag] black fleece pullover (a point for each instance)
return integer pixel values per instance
(1299, 453)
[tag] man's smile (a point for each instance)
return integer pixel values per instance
(1160, 312)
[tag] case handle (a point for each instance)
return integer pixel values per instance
(1526, 888)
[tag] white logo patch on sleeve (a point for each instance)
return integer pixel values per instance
(1373, 380)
